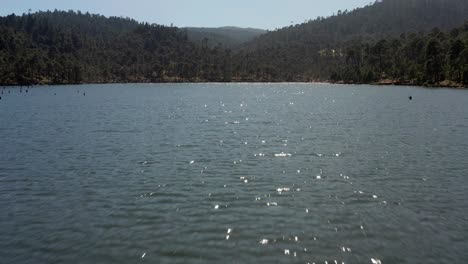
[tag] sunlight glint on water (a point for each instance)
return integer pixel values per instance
(264, 173)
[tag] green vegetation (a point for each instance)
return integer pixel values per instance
(230, 37)
(358, 46)
(67, 47)
(434, 59)
(380, 43)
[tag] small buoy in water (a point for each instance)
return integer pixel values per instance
(410, 98)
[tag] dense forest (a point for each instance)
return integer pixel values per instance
(67, 47)
(421, 42)
(436, 58)
(229, 37)
(318, 49)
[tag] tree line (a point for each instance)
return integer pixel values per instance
(67, 47)
(436, 58)
(364, 45)
(58, 47)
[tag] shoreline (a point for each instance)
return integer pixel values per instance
(443, 84)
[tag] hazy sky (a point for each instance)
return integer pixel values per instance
(266, 14)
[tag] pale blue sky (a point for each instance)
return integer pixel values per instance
(266, 14)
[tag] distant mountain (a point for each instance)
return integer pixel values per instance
(382, 42)
(226, 36)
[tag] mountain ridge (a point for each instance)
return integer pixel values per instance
(227, 36)
(381, 41)
(297, 53)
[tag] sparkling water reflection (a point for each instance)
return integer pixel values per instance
(234, 173)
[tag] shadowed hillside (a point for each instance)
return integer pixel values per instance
(68, 47)
(423, 42)
(317, 49)
(226, 36)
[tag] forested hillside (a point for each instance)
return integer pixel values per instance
(229, 37)
(435, 58)
(423, 42)
(317, 49)
(68, 47)
(381, 19)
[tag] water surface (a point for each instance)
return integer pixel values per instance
(233, 173)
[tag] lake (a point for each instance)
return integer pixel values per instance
(233, 173)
